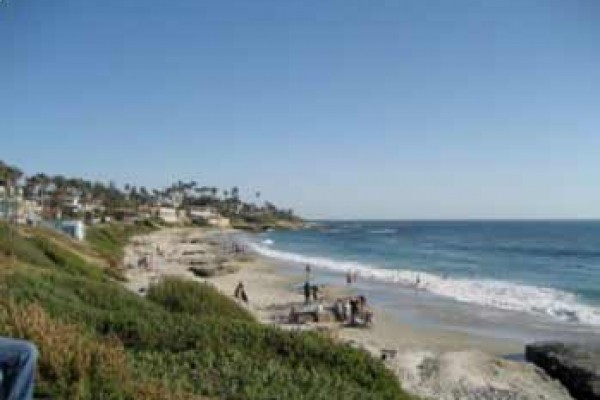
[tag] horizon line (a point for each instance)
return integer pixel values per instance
(595, 219)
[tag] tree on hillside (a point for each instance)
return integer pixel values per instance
(9, 174)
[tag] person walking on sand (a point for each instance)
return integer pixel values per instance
(240, 293)
(306, 292)
(348, 277)
(18, 360)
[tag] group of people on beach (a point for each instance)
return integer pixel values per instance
(310, 291)
(353, 310)
(237, 248)
(351, 276)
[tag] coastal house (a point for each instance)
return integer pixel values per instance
(93, 206)
(15, 207)
(209, 216)
(72, 203)
(75, 229)
(169, 214)
(72, 228)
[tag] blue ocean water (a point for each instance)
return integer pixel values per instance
(549, 268)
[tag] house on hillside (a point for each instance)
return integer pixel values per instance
(209, 216)
(14, 207)
(72, 204)
(75, 229)
(169, 214)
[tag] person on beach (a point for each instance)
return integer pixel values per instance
(18, 360)
(306, 292)
(348, 277)
(353, 311)
(240, 293)
(354, 276)
(347, 310)
(418, 281)
(293, 317)
(238, 290)
(362, 302)
(339, 310)
(315, 292)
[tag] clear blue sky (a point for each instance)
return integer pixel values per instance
(342, 108)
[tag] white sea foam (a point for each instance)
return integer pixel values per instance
(268, 242)
(493, 293)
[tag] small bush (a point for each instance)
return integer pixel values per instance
(201, 299)
(109, 239)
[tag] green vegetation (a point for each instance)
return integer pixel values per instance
(184, 341)
(109, 239)
(184, 296)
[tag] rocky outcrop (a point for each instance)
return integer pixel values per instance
(212, 270)
(473, 375)
(576, 366)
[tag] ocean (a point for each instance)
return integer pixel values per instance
(549, 270)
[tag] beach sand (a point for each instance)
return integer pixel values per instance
(431, 363)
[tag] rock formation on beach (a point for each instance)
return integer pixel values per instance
(473, 375)
(577, 366)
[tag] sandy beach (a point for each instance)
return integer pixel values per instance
(431, 363)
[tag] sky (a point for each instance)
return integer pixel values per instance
(420, 109)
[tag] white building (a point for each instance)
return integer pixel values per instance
(169, 215)
(75, 229)
(209, 216)
(13, 206)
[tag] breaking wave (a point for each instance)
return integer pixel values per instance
(504, 295)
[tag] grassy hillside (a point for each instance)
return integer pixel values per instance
(108, 239)
(184, 341)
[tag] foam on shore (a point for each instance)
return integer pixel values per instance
(505, 295)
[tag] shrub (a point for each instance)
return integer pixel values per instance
(109, 239)
(190, 297)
